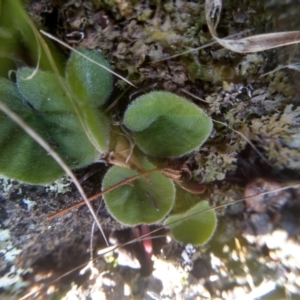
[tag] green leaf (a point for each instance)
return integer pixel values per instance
(87, 80)
(55, 112)
(166, 125)
(91, 86)
(195, 226)
(64, 113)
(43, 91)
(21, 157)
(138, 202)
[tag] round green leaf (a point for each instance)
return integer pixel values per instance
(87, 80)
(166, 125)
(144, 201)
(195, 226)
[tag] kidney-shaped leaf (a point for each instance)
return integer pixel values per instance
(144, 201)
(195, 226)
(166, 125)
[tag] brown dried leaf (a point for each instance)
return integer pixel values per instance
(250, 44)
(192, 187)
(171, 173)
(123, 156)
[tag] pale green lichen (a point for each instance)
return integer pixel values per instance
(279, 136)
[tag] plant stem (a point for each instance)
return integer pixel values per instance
(123, 182)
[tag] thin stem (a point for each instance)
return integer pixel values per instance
(14, 117)
(192, 95)
(123, 182)
(248, 141)
(112, 248)
(86, 57)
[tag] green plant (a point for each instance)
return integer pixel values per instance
(191, 220)
(146, 201)
(166, 125)
(67, 113)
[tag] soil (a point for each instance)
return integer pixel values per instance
(254, 253)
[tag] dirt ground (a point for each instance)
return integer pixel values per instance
(254, 253)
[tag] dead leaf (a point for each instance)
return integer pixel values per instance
(171, 174)
(193, 187)
(250, 44)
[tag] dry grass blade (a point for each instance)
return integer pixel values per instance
(55, 156)
(250, 44)
(38, 59)
(123, 182)
(185, 52)
(261, 42)
(89, 59)
(294, 66)
(198, 48)
(290, 64)
(248, 141)
(112, 248)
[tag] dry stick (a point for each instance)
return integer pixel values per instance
(186, 52)
(123, 182)
(55, 156)
(39, 38)
(126, 181)
(198, 48)
(289, 65)
(192, 95)
(112, 248)
(86, 57)
(90, 263)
